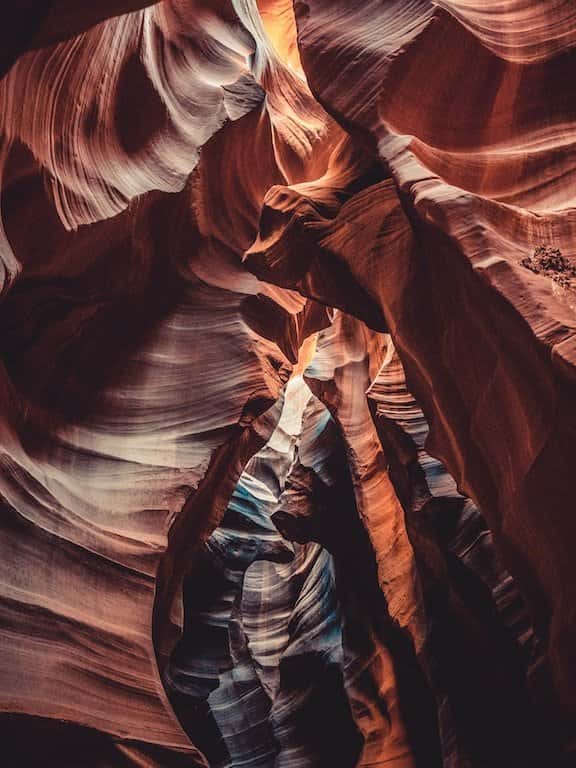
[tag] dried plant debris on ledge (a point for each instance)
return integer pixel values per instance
(551, 263)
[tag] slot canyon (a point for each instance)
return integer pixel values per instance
(288, 384)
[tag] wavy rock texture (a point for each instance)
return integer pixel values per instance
(474, 609)
(267, 632)
(287, 423)
(477, 189)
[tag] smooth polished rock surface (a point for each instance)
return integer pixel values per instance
(287, 384)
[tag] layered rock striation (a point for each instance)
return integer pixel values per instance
(287, 384)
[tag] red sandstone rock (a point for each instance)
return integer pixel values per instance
(190, 191)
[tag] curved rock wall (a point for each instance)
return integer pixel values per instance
(287, 297)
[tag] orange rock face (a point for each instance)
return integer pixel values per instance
(287, 384)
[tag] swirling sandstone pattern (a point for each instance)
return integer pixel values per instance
(287, 391)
